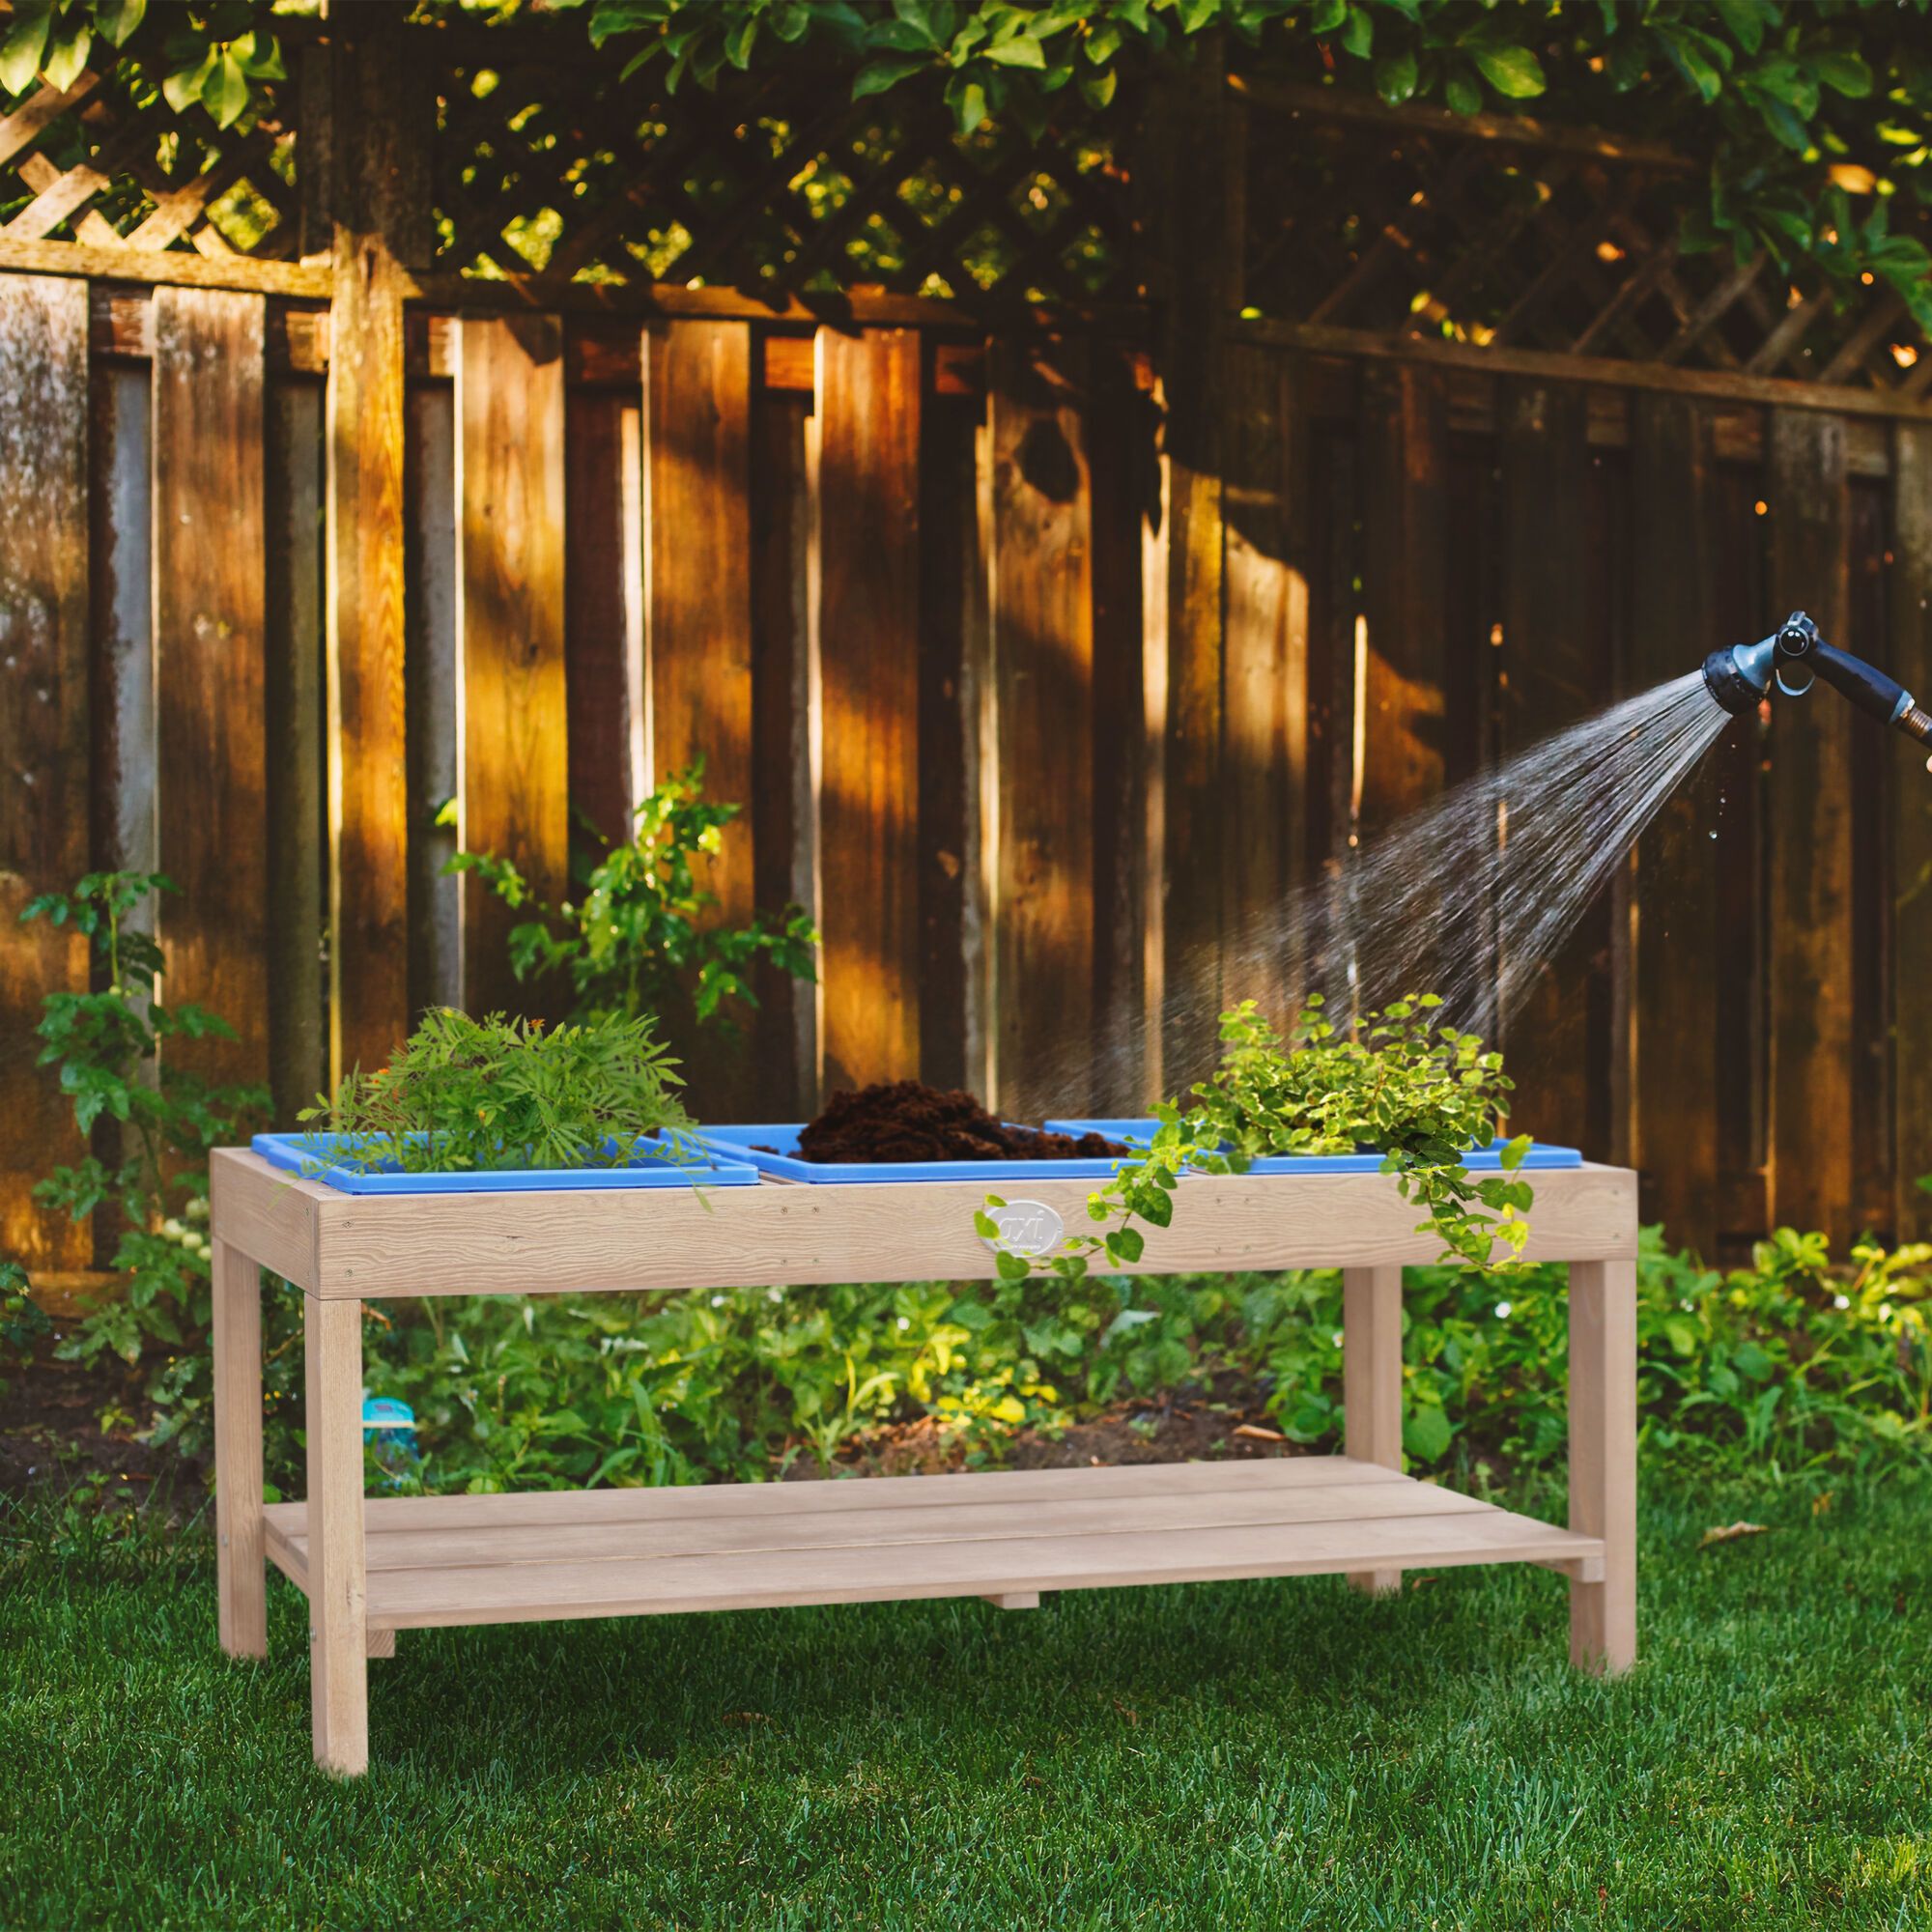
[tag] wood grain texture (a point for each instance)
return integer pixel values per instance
(700, 629)
(44, 732)
(597, 598)
(1603, 1460)
(1673, 625)
(868, 632)
(380, 202)
(210, 603)
(1810, 831)
(270, 1216)
(1121, 429)
(513, 783)
(337, 1553)
(1371, 1384)
(438, 1560)
(1910, 830)
(295, 702)
(1042, 641)
(1556, 673)
(1404, 531)
(1264, 698)
(240, 1564)
(626, 1240)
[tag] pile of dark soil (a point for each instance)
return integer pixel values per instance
(905, 1119)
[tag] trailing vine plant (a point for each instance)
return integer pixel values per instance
(1420, 1093)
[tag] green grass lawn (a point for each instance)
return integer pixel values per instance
(1259, 1754)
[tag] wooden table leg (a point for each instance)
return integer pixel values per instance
(1603, 1460)
(337, 1591)
(1371, 1384)
(240, 1566)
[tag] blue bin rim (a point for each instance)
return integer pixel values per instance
(1541, 1156)
(305, 1153)
(736, 1141)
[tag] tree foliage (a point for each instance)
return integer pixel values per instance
(1813, 116)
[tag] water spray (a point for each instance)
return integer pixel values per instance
(1792, 657)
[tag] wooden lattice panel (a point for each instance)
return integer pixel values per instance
(779, 185)
(107, 163)
(1424, 230)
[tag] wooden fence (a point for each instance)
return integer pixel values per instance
(1042, 660)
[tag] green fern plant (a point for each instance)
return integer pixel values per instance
(492, 1094)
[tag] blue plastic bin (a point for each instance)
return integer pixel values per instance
(313, 1156)
(1480, 1160)
(744, 1143)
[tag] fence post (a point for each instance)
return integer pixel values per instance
(376, 171)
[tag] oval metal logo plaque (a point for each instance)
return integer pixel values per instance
(1027, 1228)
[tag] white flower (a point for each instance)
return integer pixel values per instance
(718, 1301)
(173, 1229)
(903, 1322)
(1502, 1311)
(1841, 1301)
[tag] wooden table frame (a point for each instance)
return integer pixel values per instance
(371, 1568)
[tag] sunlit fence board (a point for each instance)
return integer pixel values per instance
(1043, 665)
(513, 771)
(44, 724)
(867, 628)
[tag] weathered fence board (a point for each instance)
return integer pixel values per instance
(211, 623)
(43, 728)
(866, 621)
(1556, 673)
(1672, 626)
(1812, 745)
(513, 774)
(1042, 557)
(1910, 611)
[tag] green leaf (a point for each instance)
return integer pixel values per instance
(117, 18)
(1010, 1267)
(1745, 22)
(182, 87)
(1395, 77)
(1327, 16)
(1846, 72)
(1463, 95)
(1022, 51)
(21, 50)
(1515, 72)
(1426, 1433)
(1358, 33)
(1125, 1245)
(889, 72)
(1097, 89)
(968, 100)
(64, 65)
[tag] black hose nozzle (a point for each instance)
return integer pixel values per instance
(1739, 678)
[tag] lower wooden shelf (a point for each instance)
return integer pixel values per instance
(619, 1553)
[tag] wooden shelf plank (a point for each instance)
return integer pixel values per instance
(504, 1559)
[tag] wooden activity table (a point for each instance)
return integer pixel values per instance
(373, 1567)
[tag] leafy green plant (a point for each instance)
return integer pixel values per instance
(22, 1320)
(464, 1095)
(158, 1121)
(639, 936)
(1419, 1095)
